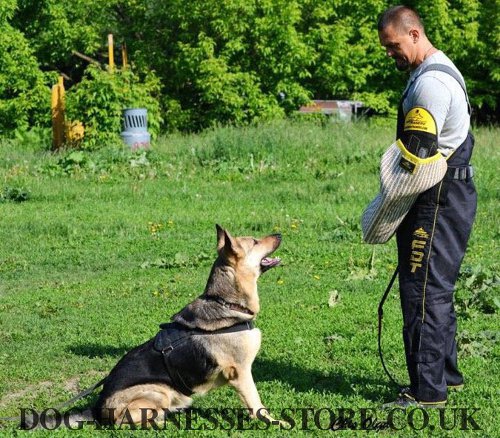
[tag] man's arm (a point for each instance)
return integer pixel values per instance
(434, 95)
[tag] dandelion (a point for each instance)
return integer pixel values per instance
(154, 228)
(294, 225)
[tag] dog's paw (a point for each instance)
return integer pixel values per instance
(273, 422)
(282, 423)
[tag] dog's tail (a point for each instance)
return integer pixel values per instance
(53, 418)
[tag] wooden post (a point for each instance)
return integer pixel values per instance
(111, 53)
(57, 107)
(124, 56)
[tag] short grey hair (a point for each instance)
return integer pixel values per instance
(401, 17)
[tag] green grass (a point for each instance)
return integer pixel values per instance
(99, 248)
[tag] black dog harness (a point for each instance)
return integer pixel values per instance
(174, 357)
(171, 339)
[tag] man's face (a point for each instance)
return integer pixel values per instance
(399, 46)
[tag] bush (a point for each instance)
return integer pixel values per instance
(228, 61)
(24, 90)
(99, 99)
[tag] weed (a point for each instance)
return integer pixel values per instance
(14, 194)
(477, 292)
(476, 345)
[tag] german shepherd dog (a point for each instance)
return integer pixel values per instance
(209, 343)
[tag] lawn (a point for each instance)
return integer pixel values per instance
(98, 248)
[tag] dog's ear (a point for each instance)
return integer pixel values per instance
(221, 237)
(225, 242)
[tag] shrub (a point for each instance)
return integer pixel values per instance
(99, 99)
(24, 90)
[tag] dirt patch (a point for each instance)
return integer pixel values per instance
(71, 385)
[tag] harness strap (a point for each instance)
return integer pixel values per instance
(175, 375)
(179, 335)
(447, 69)
(245, 325)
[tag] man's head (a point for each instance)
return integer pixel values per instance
(402, 33)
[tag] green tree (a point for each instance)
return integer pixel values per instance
(237, 61)
(57, 29)
(24, 90)
(349, 62)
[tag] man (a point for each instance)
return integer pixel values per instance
(432, 237)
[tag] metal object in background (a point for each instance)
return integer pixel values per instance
(345, 110)
(135, 133)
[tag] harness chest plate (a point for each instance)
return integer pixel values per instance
(186, 361)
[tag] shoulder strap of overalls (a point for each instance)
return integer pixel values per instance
(445, 69)
(431, 67)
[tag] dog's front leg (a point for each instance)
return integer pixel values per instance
(242, 381)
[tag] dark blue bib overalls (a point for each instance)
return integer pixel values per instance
(431, 243)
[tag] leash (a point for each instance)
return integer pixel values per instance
(72, 400)
(380, 318)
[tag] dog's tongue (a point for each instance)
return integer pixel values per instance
(269, 262)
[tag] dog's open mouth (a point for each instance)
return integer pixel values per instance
(269, 262)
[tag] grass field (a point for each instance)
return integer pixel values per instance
(99, 248)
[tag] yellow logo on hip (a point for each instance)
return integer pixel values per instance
(417, 248)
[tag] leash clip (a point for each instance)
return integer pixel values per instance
(167, 350)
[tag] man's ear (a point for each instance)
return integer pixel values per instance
(415, 35)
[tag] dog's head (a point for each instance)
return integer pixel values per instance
(248, 254)
(233, 281)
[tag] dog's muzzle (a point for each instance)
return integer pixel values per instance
(270, 262)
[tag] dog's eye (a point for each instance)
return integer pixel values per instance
(255, 242)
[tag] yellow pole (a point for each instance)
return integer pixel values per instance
(124, 56)
(111, 53)
(57, 107)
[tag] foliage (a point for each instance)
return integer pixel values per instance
(477, 345)
(235, 61)
(100, 98)
(485, 77)
(7, 8)
(109, 162)
(24, 94)
(58, 28)
(478, 292)
(14, 194)
(222, 61)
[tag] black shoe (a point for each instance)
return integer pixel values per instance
(405, 399)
